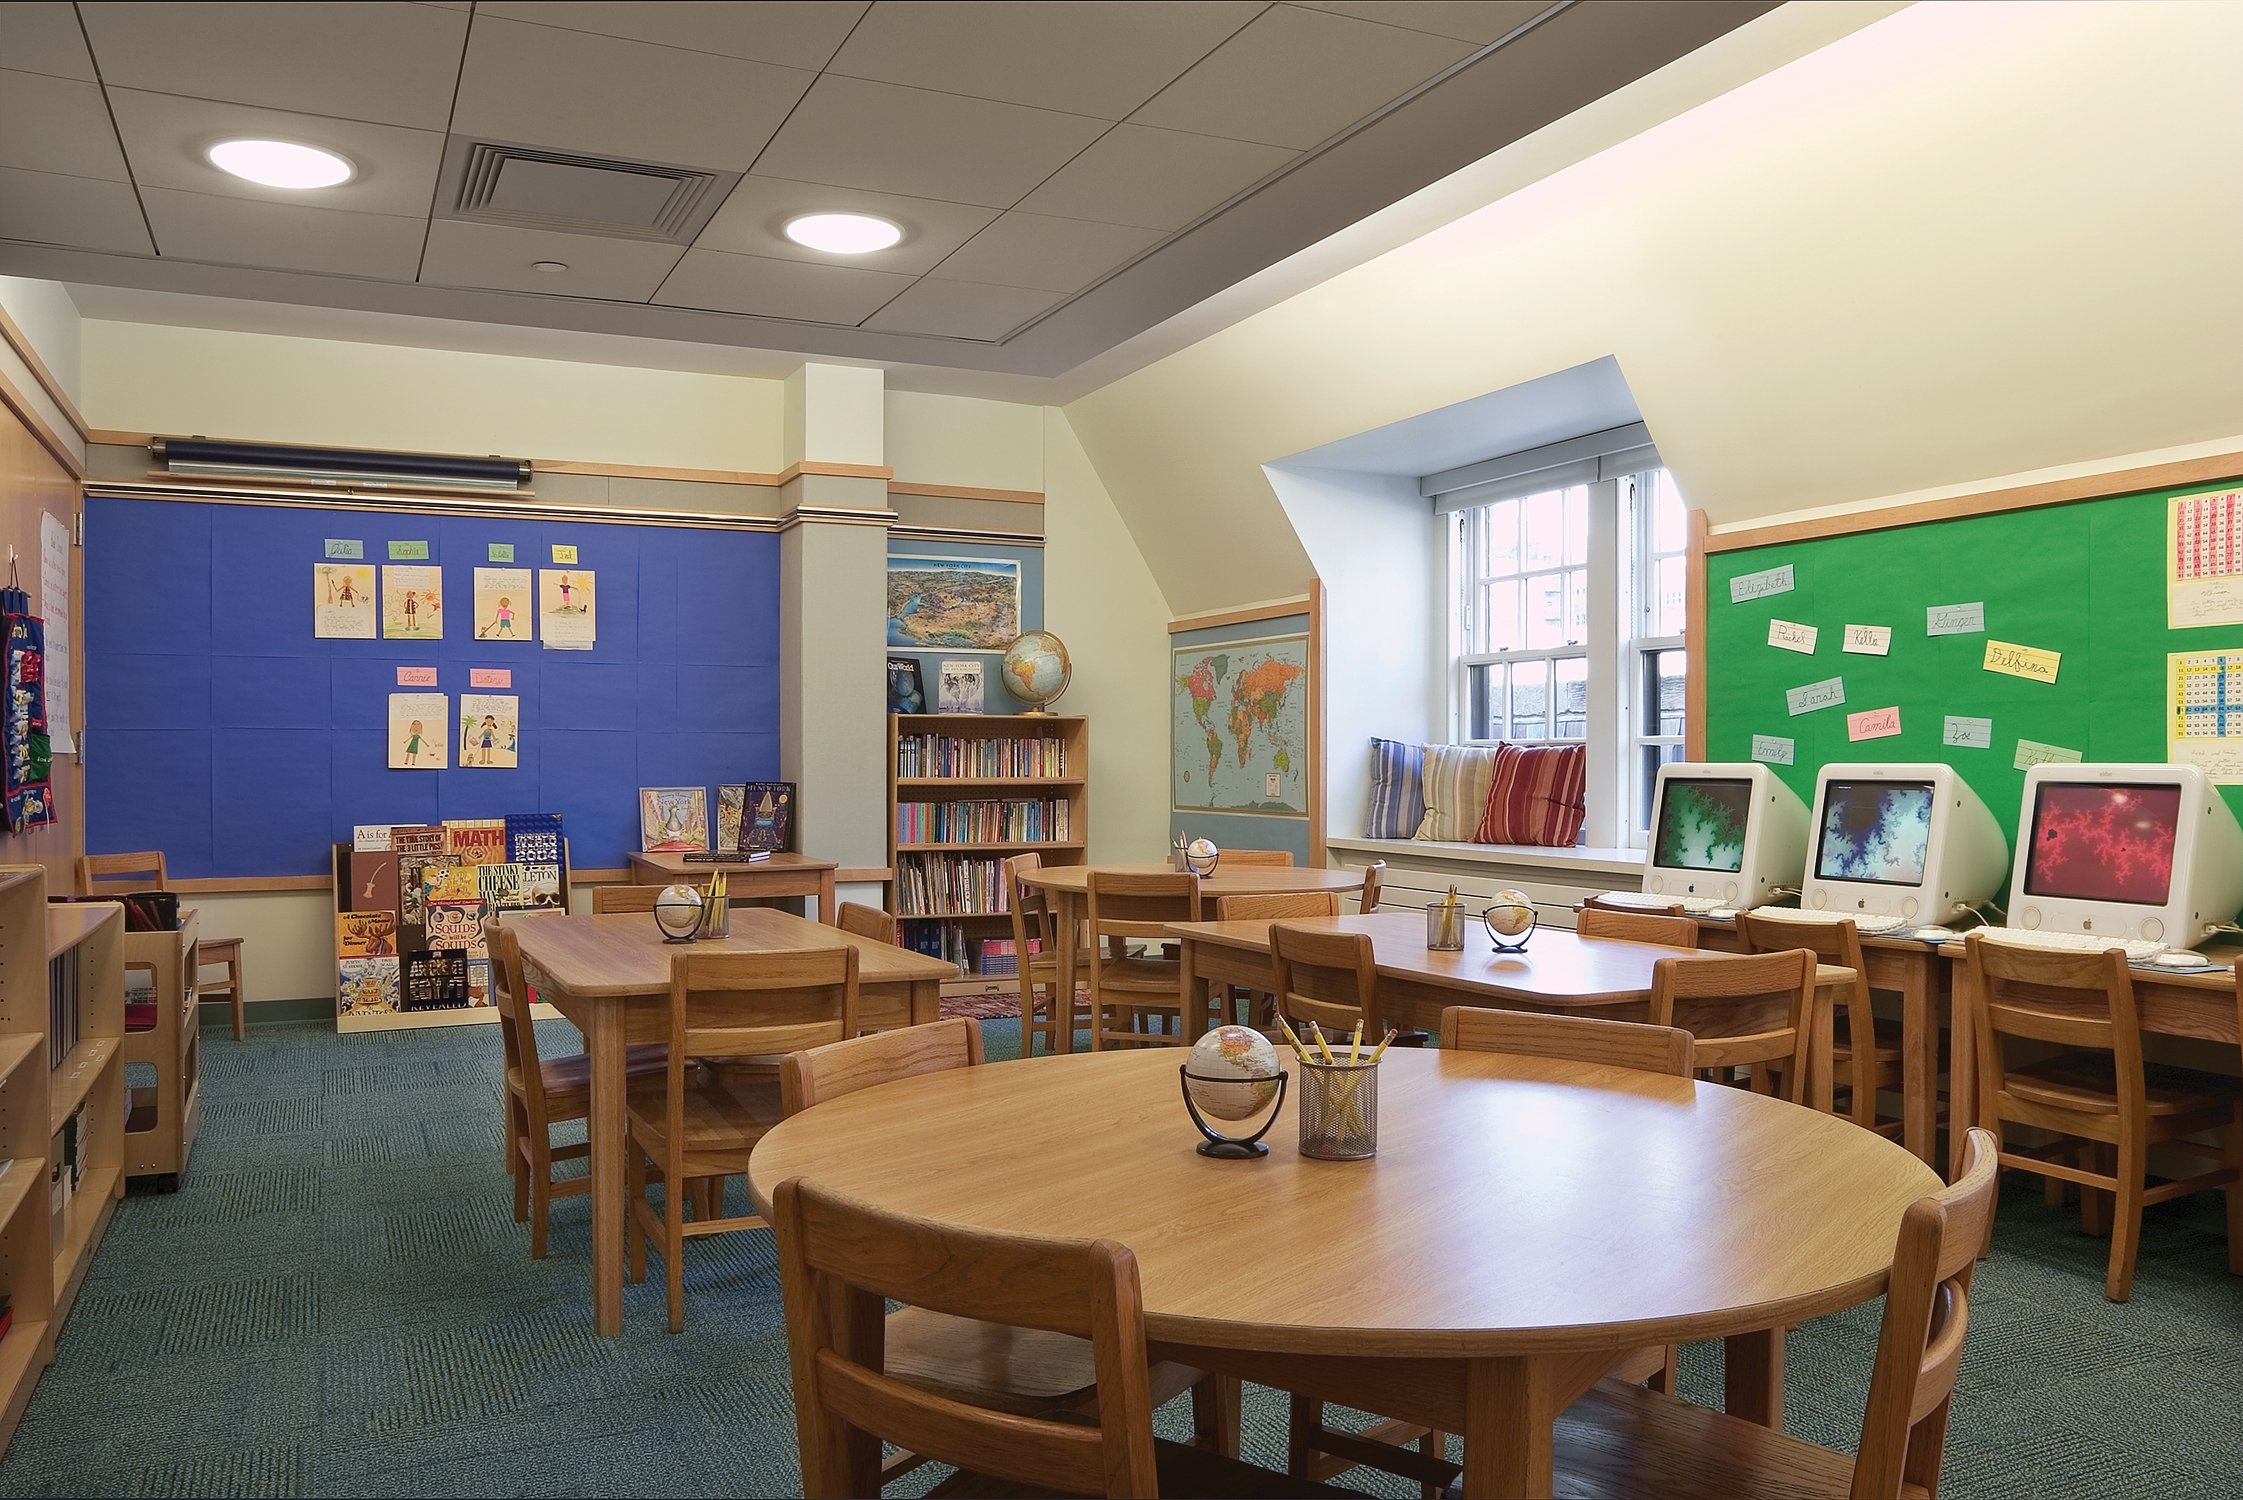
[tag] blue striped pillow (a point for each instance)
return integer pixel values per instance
(1397, 790)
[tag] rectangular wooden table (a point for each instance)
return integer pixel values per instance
(780, 875)
(611, 976)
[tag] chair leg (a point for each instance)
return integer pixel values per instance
(1305, 1416)
(2232, 1159)
(1434, 1444)
(519, 1169)
(541, 1200)
(1215, 1415)
(634, 1198)
(2094, 1202)
(2126, 1219)
(673, 1251)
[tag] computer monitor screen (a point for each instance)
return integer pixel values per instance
(1702, 825)
(2103, 841)
(1877, 832)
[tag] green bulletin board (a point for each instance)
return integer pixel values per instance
(2087, 579)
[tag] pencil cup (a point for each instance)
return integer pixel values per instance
(1339, 1110)
(716, 919)
(1444, 928)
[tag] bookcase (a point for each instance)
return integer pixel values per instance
(965, 793)
(163, 1038)
(62, 1113)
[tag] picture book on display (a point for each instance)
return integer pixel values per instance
(673, 819)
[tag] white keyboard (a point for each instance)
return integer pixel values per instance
(1696, 906)
(2135, 949)
(1868, 922)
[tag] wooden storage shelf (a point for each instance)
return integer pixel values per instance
(16, 1050)
(173, 1048)
(916, 782)
(1019, 846)
(73, 923)
(91, 1204)
(15, 1188)
(23, 1357)
(80, 1072)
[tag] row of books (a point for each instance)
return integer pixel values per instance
(977, 954)
(983, 822)
(950, 885)
(62, 1006)
(953, 755)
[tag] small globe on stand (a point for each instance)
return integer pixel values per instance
(1203, 856)
(1037, 669)
(1510, 921)
(677, 911)
(1232, 1073)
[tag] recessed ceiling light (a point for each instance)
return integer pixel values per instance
(843, 234)
(549, 267)
(280, 164)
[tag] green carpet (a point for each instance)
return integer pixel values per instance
(340, 1303)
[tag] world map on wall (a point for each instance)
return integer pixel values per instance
(1238, 727)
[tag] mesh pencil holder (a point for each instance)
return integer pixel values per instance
(1339, 1110)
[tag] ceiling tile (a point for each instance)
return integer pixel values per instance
(42, 36)
(284, 236)
(394, 64)
(750, 223)
(79, 211)
(1295, 77)
(1156, 179)
(1050, 255)
(57, 125)
(778, 288)
(798, 34)
(600, 95)
(1480, 21)
(922, 144)
(962, 310)
(165, 137)
(501, 255)
(1085, 57)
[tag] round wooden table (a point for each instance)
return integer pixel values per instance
(1526, 1224)
(1068, 887)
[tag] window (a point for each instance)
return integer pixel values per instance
(1566, 628)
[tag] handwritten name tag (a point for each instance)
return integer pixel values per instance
(1772, 749)
(1869, 640)
(1968, 733)
(490, 677)
(2028, 662)
(1799, 638)
(1873, 724)
(1760, 585)
(2034, 753)
(1827, 693)
(416, 677)
(1955, 619)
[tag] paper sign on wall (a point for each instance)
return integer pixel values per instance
(502, 552)
(1967, 733)
(416, 677)
(2028, 662)
(1827, 693)
(1955, 619)
(564, 554)
(1772, 749)
(403, 551)
(490, 677)
(1791, 637)
(345, 548)
(1869, 640)
(56, 604)
(1873, 724)
(1760, 585)
(2034, 753)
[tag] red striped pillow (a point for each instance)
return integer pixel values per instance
(1537, 796)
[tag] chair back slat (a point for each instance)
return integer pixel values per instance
(1747, 1009)
(1836, 941)
(113, 874)
(1637, 927)
(625, 898)
(2077, 1000)
(1260, 859)
(1032, 919)
(818, 1074)
(1277, 906)
(1128, 904)
(1330, 978)
(868, 922)
(757, 1004)
(1064, 1458)
(1374, 883)
(1620, 1044)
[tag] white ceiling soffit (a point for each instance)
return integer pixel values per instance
(1069, 174)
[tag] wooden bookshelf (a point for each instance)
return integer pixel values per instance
(91, 935)
(1061, 793)
(162, 1117)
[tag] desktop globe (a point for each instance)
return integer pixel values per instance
(1232, 1073)
(1037, 669)
(1511, 915)
(677, 911)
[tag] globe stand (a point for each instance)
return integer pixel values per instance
(1517, 942)
(1224, 1147)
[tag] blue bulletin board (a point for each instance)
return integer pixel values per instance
(222, 731)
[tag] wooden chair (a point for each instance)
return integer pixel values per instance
(1374, 882)
(1260, 859)
(840, 1262)
(1033, 922)
(869, 922)
(143, 870)
(1273, 907)
(1328, 978)
(625, 898)
(696, 1123)
(1636, 926)
(1625, 1441)
(1862, 1063)
(1020, 1370)
(1130, 993)
(1745, 1011)
(2099, 1092)
(1619, 1044)
(542, 1092)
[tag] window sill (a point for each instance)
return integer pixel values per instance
(1578, 859)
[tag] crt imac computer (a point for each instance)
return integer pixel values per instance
(1912, 843)
(1723, 835)
(2147, 854)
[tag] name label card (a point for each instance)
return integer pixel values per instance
(403, 551)
(502, 552)
(1760, 585)
(1799, 638)
(416, 677)
(2034, 753)
(1771, 749)
(1828, 693)
(490, 677)
(345, 547)
(1967, 733)
(1869, 640)
(1873, 724)
(2028, 662)
(1955, 619)
(564, 554)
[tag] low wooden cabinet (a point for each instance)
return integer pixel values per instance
(162, 1111)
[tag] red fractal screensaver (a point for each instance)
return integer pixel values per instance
(2098, 842)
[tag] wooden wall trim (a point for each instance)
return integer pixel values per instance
(1273, 609)
(793, 472)
(251, 885)
(2097, 486)
(964, 492)
(656, 471)
(19, 341)
(1319, 767)
(1694, 641)
(35, 423)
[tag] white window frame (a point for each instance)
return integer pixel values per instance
(1639, 650)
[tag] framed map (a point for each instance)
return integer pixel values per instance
(937, 602)
(1238, 727)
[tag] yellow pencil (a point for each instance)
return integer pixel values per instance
(1290, 1037)
(1316, 1033)
(1381, 1052)
(1355, 1044)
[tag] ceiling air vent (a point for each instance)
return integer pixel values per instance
(490, 182)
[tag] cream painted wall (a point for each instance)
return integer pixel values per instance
(1967, 240)
(49, 319)
(989, 445)
(143, 377)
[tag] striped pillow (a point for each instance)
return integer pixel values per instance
(1456, 790)
(1537, 796)
(1397, 790)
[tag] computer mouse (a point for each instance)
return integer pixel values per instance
(1935, 934)
(2177, 958)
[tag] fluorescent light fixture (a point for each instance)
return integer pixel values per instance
(280, 164)
(843, 234)
(549, 267)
